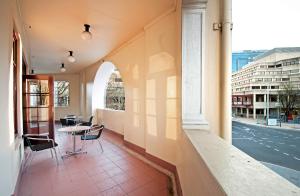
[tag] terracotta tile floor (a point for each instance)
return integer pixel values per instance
(113, 172)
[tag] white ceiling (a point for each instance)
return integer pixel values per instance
(56, 28)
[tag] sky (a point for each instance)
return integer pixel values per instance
(265, 24)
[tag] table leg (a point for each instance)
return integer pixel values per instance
(74, 152)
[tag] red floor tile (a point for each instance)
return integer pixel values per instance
(114, 172)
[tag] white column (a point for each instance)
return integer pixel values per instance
(247, 114)
(226, 60)
(254, 108)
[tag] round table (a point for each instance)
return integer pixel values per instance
(73, 130)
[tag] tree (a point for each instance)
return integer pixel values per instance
(289, 98)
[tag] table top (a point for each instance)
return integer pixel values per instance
(73, 128)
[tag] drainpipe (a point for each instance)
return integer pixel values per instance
(226, 61)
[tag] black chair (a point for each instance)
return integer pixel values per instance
(63, 122)
(93, 133)
(89, 123)
(71, 121)
(39, 142)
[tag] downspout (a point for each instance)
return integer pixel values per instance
(226, 61)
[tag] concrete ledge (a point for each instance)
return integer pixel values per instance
(236, 172)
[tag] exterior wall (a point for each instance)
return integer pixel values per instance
(268, 72)
(11, 148)
(73, 108)
(195, 177)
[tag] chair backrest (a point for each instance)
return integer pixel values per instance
(98, 128)
(27, 141)
(91, 119)
(71, 122)
(63, 121)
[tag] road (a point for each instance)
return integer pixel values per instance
(270, 145)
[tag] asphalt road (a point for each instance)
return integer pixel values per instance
(271, 145)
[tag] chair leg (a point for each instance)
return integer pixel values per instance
(30, 158)
(51, 153)
(55, 156)
(100, 145)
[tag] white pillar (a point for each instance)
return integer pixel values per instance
(226, 61)
(247, 114)
(253, 103)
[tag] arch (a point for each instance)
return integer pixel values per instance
(99, 88)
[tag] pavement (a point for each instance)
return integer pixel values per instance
(277, 146)
(289, 174)
(259, 122)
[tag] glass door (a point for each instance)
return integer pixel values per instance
(38, 104)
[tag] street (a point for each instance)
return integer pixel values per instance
(270, 145)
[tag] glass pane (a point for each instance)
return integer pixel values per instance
(37, 86)
(37, 100)
(44, 127)
(43, 114)
(61, 93)
(32, 114)
(44, 86)
(44, 100)
(33, 86)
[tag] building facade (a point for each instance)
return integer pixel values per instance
(256, 87)
(242, 58)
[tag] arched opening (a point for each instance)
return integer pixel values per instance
(108, 88)
(115, 93)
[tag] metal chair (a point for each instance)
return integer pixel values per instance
(93, 133)
(89, 123)
(39, 142)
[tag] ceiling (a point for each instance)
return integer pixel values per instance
(54, 27)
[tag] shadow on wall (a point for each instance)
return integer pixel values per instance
(161, 97)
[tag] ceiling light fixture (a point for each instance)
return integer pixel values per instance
(62, 68)
(86, 34)
(71, 58)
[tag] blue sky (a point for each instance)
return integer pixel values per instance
(265, 24)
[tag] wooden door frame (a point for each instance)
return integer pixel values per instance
(51, 100)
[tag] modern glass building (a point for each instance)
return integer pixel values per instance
(242, 58)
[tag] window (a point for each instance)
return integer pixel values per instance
(115, 93)
(274, 87)
(294, 71)
(285, 79)
(255, 87)
(61, 93)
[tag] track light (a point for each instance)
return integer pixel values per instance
(86, 34)
(71, 58)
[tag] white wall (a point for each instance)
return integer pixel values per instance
(111, 119)
(11, 147)
(74, 107)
